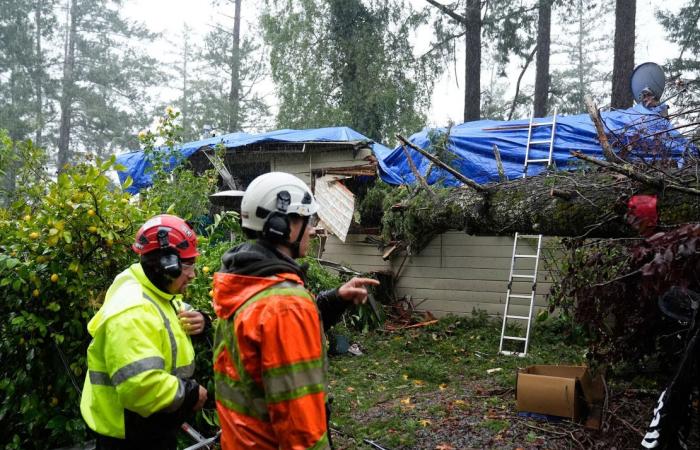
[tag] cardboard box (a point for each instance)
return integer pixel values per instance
(565, 391)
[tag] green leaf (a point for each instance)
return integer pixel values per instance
(67, 237)
(11, 263)
(127, 183)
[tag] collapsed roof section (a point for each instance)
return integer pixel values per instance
(471, 145)
(280, 141)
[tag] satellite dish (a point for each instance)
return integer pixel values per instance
(231, 200)
(647, 75)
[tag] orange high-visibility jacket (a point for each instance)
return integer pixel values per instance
(269, 363)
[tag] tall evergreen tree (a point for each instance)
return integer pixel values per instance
(105, 79)
(347, 63)
(220, 79)
(24, 25)
(544, 25)
(586, 52)
(18, 67)
(682, 28)
(508, 27)
(623, 62)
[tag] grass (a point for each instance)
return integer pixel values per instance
(414, 383)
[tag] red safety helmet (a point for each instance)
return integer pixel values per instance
(166, 231)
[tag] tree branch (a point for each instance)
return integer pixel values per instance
(499, 164)
(471, 183)
(448, 11)
(629, 172)
(520, 77)
(441, 43)
(598, 123)
(414, 169)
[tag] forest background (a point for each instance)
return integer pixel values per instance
(83, 77)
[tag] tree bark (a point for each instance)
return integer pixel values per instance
(67, 88)
(623, 62)
(472, 62)
(591, 204)
(544, 22)
(234, 93)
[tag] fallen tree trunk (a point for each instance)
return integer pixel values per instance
(587, 203)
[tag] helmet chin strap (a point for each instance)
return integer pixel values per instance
(295, 246)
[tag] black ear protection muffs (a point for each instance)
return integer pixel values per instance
(276, 227)
(169, 260)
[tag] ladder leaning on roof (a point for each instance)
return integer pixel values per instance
(518, 254)
(220, 167)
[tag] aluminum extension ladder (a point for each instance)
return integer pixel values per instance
(513, 276)
(517, 255)
(220, 167)
(530, 142)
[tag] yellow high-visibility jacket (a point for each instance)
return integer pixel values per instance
(140, 358)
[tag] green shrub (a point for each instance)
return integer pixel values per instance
(62, 244)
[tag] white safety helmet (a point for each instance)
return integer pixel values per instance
(270, 198)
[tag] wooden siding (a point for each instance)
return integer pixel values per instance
(454, 274)
(355, 253)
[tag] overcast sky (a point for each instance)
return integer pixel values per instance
(168, 17)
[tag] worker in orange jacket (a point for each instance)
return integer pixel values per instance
(269, 358)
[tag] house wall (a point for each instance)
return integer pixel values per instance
(297, 163)
(301, 164)
(454, 274)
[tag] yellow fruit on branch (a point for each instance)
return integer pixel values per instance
(54, 278)
(33, 235)
(92, 229)
(91, 212)
(35, 293)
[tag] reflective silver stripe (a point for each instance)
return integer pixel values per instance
(286, 284)
(179, 397)
(173, 343)
(137, 367)
(256, 407)
(185, 371)
(99, 378)
(294, 379)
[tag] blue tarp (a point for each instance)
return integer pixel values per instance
(472, 144)
(136, 163)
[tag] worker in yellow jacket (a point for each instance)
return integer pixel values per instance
(139, 387)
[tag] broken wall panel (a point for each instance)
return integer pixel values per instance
(336, 205)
